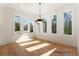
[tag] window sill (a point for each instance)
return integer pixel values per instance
(17, 32)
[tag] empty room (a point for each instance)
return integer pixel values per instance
(39, 29)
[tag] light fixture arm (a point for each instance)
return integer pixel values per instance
(39, 20)
(40, 10)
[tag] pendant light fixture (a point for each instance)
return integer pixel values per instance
(39, 20)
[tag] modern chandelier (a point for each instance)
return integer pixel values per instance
(39, 20)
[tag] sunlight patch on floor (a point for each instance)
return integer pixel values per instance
(33, 48)
(49, 52)
(28, 43)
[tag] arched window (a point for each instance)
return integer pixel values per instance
(45, 25)
(17, 23)
(31, 26)
(68, 22)
(26, 22)
(54, 23)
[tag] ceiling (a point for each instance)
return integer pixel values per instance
(33, 8)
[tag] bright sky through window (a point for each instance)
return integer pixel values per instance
(26, 20)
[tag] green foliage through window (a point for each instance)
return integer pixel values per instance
(68, 22)
(26, 27)
(17, 23)
(54, 23)
(31, 27)
(45, 26)
(25, 24)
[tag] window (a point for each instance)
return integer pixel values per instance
(38, 27)
(68, 23)
(17, 23)
(54, 23)
(31, 27)
(45, 26)
(25, 23)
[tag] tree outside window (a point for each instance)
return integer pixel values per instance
(31, 26)
(68, 23)
(25, 23)
(54, 23)
(45, 26)
(17, 23)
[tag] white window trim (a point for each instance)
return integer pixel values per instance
(72, 22)
(14, 24)
(56, 23)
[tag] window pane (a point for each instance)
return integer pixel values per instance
(17, 23)
(38, 27)
(25, 22)
(45, 26)
(54, 23)
(31, 27)
(68, 22)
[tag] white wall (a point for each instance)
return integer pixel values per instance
(59, 37)
(77, 25)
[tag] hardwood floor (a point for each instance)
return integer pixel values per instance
(37, 47)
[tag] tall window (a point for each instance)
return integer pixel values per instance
(45, 26)
(31, 27)
(54, 23)
(38, 27)
(25, 23)
(68, 22)
(17, 23)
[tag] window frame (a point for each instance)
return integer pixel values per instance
(71, 21)
(44, 27)
(56, 24)
(27, 25)
(15, 25)
(38, 28)
(32, 27)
